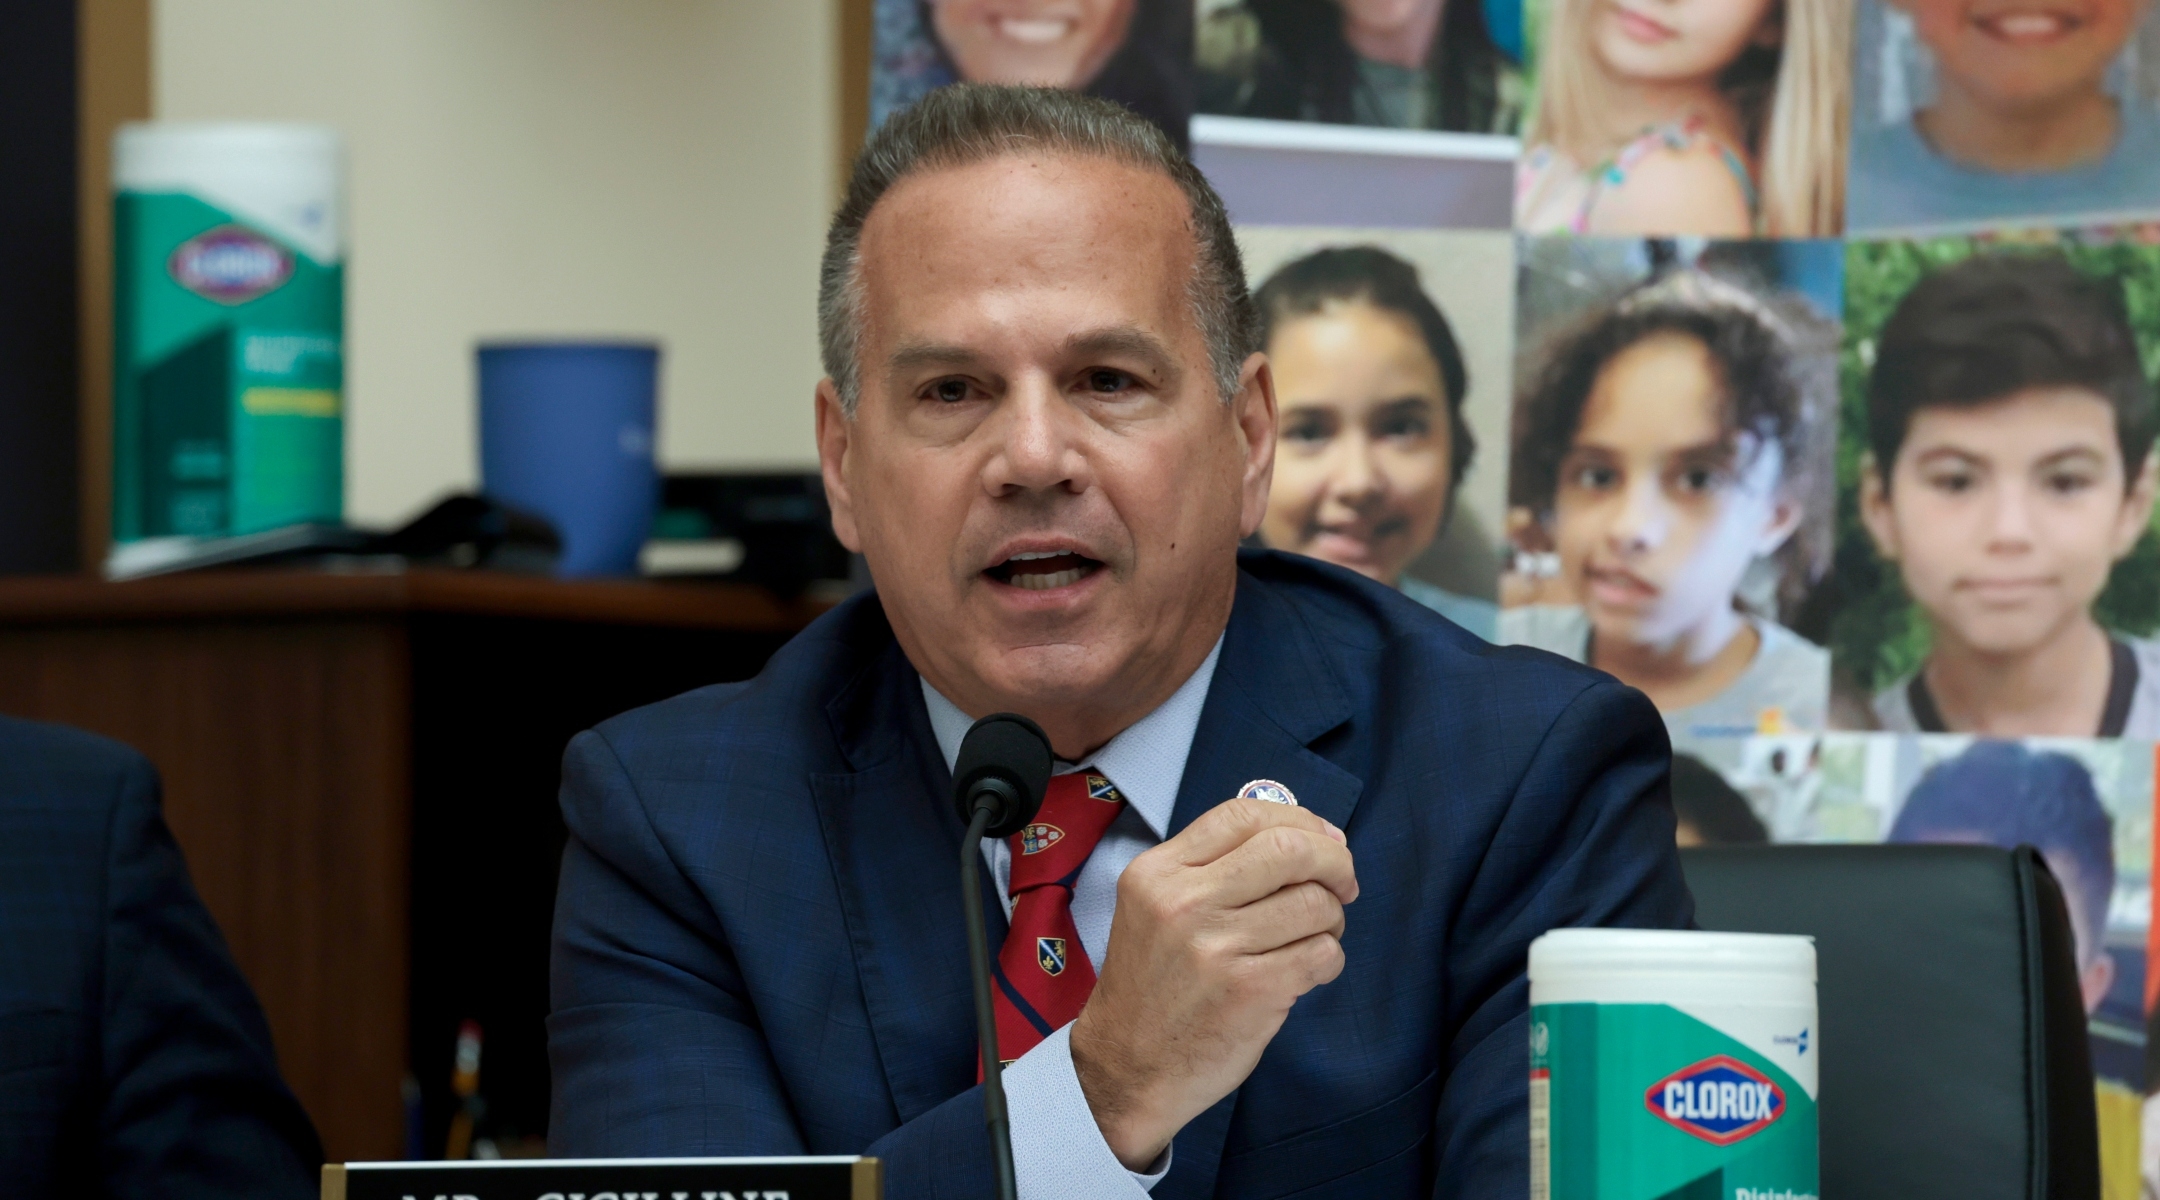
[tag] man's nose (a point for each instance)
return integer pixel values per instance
(1038, 439)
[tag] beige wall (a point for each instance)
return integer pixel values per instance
(654, 168)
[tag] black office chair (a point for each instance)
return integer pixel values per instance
(1954, 1059)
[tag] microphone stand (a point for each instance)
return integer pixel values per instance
(999, 775)
(994, 1114)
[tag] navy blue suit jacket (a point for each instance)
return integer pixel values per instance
(759, 945)
(134, 1061)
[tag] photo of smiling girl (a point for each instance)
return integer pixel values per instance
(1370, 383)
(1978, 112)
(1391, 351)
(1671, 469)
(1136, 52)
(1717, 118)
(2007, 485)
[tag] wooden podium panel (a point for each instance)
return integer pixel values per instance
(362, 771)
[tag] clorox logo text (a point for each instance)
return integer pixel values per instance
(1720, 1100)
(230, 265)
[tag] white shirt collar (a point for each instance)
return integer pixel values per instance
(1146, 760)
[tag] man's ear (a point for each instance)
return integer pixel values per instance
(2137, 507)
(1875, 508)
(1253, 408)
(835, 434)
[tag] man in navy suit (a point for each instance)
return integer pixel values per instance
(1046, 427)
(134, 1061)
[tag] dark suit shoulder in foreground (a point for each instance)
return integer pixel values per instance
(134, 1061)
(759, 950)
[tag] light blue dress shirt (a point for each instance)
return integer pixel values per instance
(1058, 1150)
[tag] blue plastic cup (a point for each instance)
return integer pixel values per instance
(566, 431)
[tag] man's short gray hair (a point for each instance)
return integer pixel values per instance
(968, 123)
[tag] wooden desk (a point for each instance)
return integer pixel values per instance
(362, 771)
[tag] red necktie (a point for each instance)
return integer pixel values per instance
(1043, 975)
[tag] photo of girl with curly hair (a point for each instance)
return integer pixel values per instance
(1670, 479)
(1716, 118)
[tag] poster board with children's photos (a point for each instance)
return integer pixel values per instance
(1812, 391)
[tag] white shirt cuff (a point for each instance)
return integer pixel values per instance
(1058, 1149)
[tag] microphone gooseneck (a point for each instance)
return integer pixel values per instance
(998, 780)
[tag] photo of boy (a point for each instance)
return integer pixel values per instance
(1390, 354)
(2007, 471)
(1976, 112)
(1136, 52)
(1670, 477)
(1397, 64)
(1714, 118)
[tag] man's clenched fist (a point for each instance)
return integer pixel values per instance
(1218, 931)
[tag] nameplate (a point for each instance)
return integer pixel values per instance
(819, 1178)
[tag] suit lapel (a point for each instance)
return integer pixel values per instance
(1274, 693)
(895, 847)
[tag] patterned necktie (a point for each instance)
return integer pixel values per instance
(1043, 975)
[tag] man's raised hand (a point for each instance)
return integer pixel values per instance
(1218, 931)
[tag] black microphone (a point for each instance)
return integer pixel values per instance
(998, 783)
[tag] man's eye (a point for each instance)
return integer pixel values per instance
(949, 391)
(1957, 483)
(1104, 381)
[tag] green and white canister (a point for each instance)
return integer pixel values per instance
(228, 328)
(1672, 1065)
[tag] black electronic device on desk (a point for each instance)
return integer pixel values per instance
(770, 528)
(461, 531)
(837, 1177)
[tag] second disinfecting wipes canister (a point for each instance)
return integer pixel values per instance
(228, 329)
(1672, 1065)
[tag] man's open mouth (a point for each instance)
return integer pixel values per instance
(1039, 571)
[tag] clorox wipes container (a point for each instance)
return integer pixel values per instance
(1672, 1065)
(228, 328)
